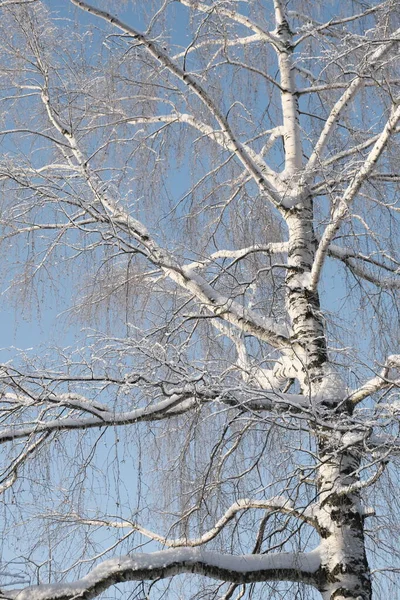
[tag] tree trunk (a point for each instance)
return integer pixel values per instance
(345, 570)
(345, 573)
(308, 340)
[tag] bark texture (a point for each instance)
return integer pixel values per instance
(341, 525)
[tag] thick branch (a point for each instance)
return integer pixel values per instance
(289, 566)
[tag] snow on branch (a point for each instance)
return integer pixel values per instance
(225, 308)
(153, 412)
(350, 193)
(362, 484)
(248, 568)
(388, 283)
(350, 257)
(178, 402)
(346, 97)
(239, 41)
(220, 137)
(381, 381)
(318, 26)
(269, 249)
(13, 2)
(219, 9)
(279, 504)
(12, 471)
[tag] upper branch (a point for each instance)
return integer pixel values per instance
(356, 261)
(290, 108)
(350, 193)
(321, 27)
(218, 304)
(234, 16)
(344, 100)
(194, 86)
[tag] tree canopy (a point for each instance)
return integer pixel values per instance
(209, 192)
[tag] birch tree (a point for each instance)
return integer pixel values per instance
(211, 187)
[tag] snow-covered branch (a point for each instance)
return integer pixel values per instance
(278, 504)
(389, 375)
(12, 471)
(354, 261)
(268, 249)
(219, 9)
(218, 304)
(289, 566)
(221, 306)
(178, 402)
(350, 193)
(329, 25)
(220, 137)
(159, 410)
(13, 2)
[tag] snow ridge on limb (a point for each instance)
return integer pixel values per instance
(355, 262)
(236, 255)
(220, 137)
(153, 412)
(262, 34)
(380, 382)
(229, 310)
(248, 568)
(13, 471)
